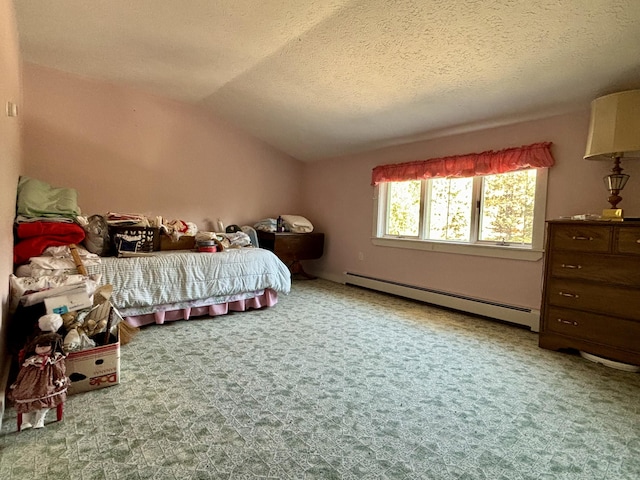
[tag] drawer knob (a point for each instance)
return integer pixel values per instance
(567, 322)
(567, 265)
(638, 240)
(567, 294)
(579, 237)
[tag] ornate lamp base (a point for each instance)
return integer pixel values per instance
(613, 214)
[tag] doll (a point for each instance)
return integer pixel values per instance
(42, 382)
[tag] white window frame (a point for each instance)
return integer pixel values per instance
(533, 252)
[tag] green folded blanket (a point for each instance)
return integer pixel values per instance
(39, 199)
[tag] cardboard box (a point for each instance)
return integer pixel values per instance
(185, 242)
(94, 368)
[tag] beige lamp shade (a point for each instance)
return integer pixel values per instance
(615, 126)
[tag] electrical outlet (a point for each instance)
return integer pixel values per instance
(360, 256)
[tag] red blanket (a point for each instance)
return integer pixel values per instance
(35, 237)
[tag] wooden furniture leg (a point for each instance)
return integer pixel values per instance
(296, 269)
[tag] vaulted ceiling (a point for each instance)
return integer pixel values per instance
(321, 78)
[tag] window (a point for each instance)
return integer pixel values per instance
(495, 214)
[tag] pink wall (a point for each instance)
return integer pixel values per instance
(339, 200)
(128, 151)
(10, 90)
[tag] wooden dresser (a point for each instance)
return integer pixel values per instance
(293, 247)
(591, 297)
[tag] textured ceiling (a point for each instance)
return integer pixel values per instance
(323, 78)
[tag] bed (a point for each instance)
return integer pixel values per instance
(181, 284)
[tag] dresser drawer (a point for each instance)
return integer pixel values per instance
(581, 238)
(628, 240)
(598, 268)
(593, 297)
(605, 330)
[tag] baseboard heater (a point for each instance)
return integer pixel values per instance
(500, 311)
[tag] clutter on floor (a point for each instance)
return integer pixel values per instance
(64, 331)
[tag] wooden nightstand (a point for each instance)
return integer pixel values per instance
(293, 247)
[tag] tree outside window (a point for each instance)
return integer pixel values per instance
(493, 209)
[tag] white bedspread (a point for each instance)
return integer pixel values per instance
(177, 276)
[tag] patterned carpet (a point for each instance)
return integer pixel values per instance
(337, 382)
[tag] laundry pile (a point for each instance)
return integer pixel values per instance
(46, 216)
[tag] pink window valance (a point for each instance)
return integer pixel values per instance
(537, 155)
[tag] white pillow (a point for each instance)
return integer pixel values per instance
(297, 224)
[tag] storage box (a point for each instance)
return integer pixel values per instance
(94, 368)
(77, 299)
(185, 242)
(134, 239)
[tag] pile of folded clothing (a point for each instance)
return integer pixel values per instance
(46, 217)
(266, 225)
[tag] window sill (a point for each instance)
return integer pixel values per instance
(497, 251)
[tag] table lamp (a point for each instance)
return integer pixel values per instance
(614, 133)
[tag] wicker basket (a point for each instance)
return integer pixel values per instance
(134, 239)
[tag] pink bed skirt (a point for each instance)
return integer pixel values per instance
(268, 299)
